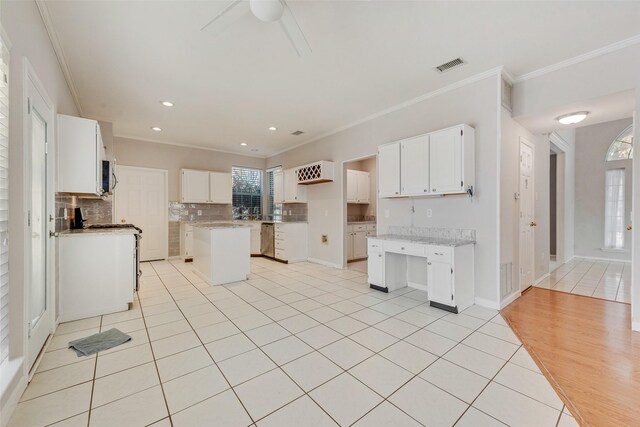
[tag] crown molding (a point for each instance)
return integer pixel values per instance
(559, 142)
(456, 85)
(197, 147)
(59, 51)
(578, 59)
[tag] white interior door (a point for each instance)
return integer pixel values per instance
(39, 213)
(526, 220)
(141, 199)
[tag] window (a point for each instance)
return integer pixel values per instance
(274, 210)
(614, 209)
(4, 202)
(622, 147)
(247, 193)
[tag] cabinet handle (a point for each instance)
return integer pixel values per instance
(428, 263)
(402, 248)
(425, 190)
(438, 254)
(396, 192)
(433, 189)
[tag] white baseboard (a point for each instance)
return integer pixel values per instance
(635, 325)
(594, 258)
(325, 263)
(482, 302)
(11, 402)
(542, 278)
(418, 286)
(509, 299)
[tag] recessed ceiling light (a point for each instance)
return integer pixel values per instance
(156, 128)
(572, 118)
(272, 128)
(167, 103)
(244, 144)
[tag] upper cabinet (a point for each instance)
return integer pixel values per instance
(286, 188)
(358, 186)
(389, 170)
(80, 156)
(438, 163)
(205, 187)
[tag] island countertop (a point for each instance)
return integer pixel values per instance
(212, 225)
(437, 241)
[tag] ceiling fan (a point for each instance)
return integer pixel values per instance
(267, 11)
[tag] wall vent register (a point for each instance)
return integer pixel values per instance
(450, 65)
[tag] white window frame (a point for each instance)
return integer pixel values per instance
(614, 209)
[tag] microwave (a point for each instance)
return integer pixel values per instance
(109, 180)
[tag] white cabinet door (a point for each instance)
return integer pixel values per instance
(220, 188)
(195, 186)
(363, 187)
(446, 160)
(188, 243)
(359, 244)
(80, 155)
(415, 166)
(440, 282)
(349, 240)
(375, 268)
(389, 170)
(352, 186)
(293, 193)
(278, 187)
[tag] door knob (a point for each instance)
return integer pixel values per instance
(533, 224)
(629, 227)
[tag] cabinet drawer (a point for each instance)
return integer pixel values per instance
(349, 228)
(279, 235)
(440, 253)
(279, 244)
(279, 227)
(359, 228)
(188, 228)
(375, 245)
(371, 227)
(406, 248)
(281, 254)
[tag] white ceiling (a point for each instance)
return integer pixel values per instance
(603, 109)
(126, 56)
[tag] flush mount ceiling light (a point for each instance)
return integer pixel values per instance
(244, 144)
(167, 103)
(572, 118)
(272, 128)
(156, 128)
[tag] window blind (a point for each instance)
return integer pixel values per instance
(247, 193)
(614, 209)
(273, 209)
(4, 202)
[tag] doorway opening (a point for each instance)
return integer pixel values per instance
(360, 197)
(553, 210)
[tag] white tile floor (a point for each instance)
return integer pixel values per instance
(295, 345)
(599, 279)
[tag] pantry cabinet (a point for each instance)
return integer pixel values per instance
(199, 186)
(358, 186)
(434, 164)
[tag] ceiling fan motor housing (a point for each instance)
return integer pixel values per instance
(267, 10)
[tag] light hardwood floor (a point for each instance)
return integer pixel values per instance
(587, 351)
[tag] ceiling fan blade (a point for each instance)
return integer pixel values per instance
(294, 33)
(227, 16)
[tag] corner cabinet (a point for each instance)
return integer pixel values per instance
(286, 188)
(434, 164)
(199, 186)
(80, 156)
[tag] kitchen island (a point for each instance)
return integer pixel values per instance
(221, 252)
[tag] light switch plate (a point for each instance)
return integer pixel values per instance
(429, 213)
(199, 212)
(325, 239)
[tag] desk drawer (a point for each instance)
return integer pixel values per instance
(375, 245)
(440, 253)
(406, 248)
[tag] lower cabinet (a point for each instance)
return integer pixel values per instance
(186, 241)
(291, 241)
(449, 270)
(356, 240)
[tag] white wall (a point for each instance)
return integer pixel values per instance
(131, 152)
(512, 132)
(475, 104)
(23, 25)
(592, 143)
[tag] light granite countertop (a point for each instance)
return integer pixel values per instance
(84, 231)
(213, 225)
(437, 241)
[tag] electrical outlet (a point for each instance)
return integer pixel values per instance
(429, 213)
(324, 239)
(199, 212)
(386, 213)
(65, 214)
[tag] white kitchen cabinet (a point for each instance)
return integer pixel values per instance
(414, 166)
(186, 241)
(375, 263)
(293, 193)
(256, 235)
(358, 186)
(349, 243)
(278, 187)
(452, 154)
(220, 188)
(359, 244)
(194, 186)
(199, 186)
(389, 170)
(80, 156)
(291, 241)
(440, 280)
(356, 240)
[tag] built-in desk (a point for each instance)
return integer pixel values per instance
(444, 268)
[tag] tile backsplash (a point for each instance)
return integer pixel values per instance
(294, 212)
(96, 211)
(442, 233)
(198, 212)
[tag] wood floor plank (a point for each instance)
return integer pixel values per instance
(586, 348)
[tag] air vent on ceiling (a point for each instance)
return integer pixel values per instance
(449, 65)
(296, 133)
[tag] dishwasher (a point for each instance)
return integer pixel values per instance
(267, 240)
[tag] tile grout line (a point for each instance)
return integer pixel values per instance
(93, 382)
